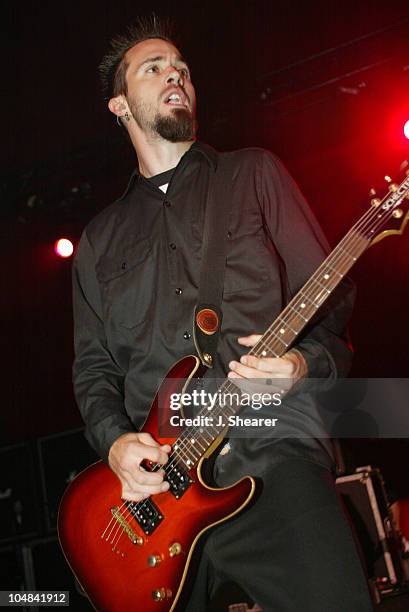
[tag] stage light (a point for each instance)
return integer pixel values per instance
(406, 129)
(63, 248)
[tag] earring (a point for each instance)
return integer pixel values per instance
(127, 117)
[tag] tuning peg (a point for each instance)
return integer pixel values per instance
(372, 192)
(388, 179)
(404, 165)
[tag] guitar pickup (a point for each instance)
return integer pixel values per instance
(147, 515)
(178, 479)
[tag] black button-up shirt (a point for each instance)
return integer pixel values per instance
(136, 277)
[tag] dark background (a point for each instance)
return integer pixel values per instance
(324, 84)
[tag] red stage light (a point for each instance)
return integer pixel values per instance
(406, 129)
(63, 247)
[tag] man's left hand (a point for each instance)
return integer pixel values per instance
(289, 368)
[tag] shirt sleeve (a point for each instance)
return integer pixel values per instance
(302, 247)
(98, 380)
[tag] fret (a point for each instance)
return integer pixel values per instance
(284, 333)
(188, 451)
(328, 280)
(201, 446)
(225, 407)
(296, 311)
(347, 253)
(186, 461)
(317, 282)
(264, 352)
(335, 270)
(215, 430)
(266, 346)
(279, 338)
(286, 324)
(208, 442)
(305, 299)
(196, 441)
(181, 447)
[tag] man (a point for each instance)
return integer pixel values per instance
(136, 280)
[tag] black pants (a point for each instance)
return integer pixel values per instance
(292, 550)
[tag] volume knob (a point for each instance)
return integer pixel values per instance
(154, 560)
(175, 549)
(161, 594)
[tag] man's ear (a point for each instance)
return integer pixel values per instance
(118, 106)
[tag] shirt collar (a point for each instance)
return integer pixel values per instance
(206, 150)
(197, 148)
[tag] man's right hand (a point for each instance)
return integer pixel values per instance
(125, 457)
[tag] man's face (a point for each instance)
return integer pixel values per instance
(160, 95)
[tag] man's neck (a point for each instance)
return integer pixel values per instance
(160, 155)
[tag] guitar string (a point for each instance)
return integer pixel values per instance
(353, 235)
(107, 527)
(119, 531)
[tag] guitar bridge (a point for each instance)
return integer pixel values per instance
(135, 539)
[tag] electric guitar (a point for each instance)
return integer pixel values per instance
(136, 556)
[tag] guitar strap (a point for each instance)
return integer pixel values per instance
(208, 314)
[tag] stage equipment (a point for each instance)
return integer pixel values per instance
(364, 496)
(62, 457)
(19, 501)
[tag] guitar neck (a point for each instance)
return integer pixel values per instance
(282, 333)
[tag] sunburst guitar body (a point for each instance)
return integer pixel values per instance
(136, 556)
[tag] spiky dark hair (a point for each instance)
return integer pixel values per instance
(112, 69)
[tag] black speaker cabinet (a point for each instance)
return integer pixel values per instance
(19, 499)
(365, 499)
(11, 569)
(47, 570)
(62, 457)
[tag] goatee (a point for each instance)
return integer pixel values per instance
(180, 126)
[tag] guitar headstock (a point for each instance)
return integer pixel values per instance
(388, 216)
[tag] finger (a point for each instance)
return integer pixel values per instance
(155, 454)
(146, 438)
(131, 495)
(126, 481)
(143, 477)
(249, 340)
(149, 489)
(235, 375)
(245, 371)
(276, 367)
(132, 477)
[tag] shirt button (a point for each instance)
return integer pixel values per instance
(167, 203)
(187, 335)
(178, 291)
(172, 246)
